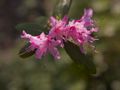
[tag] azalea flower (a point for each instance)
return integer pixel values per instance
(58, 29)
(81, 30)
(42, 44)
(61, 30)
(78, 32)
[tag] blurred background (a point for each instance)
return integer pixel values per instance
(48, 74)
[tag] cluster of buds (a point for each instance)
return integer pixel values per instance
(61, 30)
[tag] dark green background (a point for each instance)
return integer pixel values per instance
(49, 74)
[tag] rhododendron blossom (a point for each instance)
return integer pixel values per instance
(58, 28)
(79, 31)
(43, 44)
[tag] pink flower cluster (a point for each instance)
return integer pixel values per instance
(79, 31)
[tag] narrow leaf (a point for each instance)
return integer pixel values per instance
(31, 28)
(24, 53)
(79, 58)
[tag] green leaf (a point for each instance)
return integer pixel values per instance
(24, 53)
(62, 8)
(79, 58)
(40, 25)
(41, 20)
(31, 28)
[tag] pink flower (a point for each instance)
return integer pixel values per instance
(42, 44)
(81, 30)
(78, 32)
(58, 28)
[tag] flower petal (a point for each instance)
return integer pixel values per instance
(40, 52)
(54, 51)
(53, 21)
